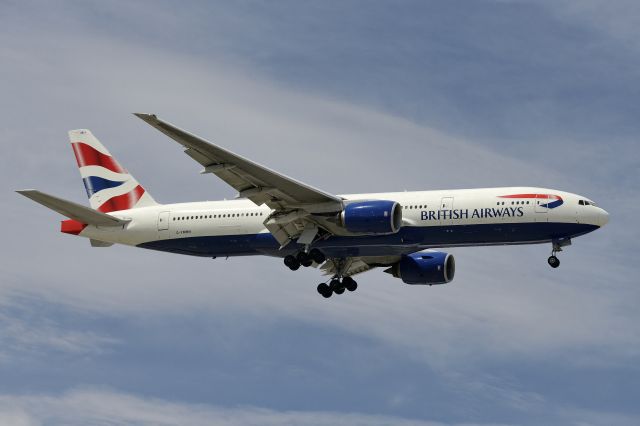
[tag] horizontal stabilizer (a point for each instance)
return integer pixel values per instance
(72, 210)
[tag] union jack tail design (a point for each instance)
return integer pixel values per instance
(109, 186)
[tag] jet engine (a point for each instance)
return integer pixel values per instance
(372, 217)
(425, 267)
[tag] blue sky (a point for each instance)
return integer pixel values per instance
(348, 97)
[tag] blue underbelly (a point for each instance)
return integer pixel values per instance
(408, 239)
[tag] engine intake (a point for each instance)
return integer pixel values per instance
(372, 217)
(427, 267)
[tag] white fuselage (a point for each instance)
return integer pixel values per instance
(443, 218)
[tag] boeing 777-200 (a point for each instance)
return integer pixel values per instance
(344, 235)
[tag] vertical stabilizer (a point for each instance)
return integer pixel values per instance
(109, 186)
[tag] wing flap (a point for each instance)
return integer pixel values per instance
(72, 210)
(356, 265)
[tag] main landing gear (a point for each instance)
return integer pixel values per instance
(304, 259)
(336, 286)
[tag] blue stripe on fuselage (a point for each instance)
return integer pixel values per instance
(406, 240)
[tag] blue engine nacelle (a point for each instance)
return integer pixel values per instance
(372, 217)
(425, 267)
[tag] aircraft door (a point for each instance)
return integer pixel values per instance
(163, 221)
(541, 212)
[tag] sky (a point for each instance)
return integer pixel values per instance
(350, 97)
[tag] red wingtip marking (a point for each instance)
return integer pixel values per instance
(71, 226)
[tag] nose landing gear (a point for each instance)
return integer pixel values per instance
(556, 246)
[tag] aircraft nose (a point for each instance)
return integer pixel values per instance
(603, 217)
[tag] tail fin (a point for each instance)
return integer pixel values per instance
(109, 186)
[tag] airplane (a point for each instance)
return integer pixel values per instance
(343, 235)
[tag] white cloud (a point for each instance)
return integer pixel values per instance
(89, 406)
(99, 406)
(25, 332)
(619, 20)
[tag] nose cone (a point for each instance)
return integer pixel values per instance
(603, 217)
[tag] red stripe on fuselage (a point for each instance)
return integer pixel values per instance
(523, 196)
(122, 202)
(71, 226)
(557, 197)
(87, 155)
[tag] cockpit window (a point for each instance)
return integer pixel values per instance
(586, 203)
(581, 202)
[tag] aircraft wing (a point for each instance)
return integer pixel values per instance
(294, 203)
(251, 180)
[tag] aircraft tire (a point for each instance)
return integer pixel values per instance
(325, 290)
(553, 261)
(350, 284)
(304, 259)
(317, 256)
(291, 262)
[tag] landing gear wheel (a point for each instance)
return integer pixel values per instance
(350, 284)
(291, 262)
(304, 259)
(325, 290)
(553, 261)
(336, 286)
(317, 256)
